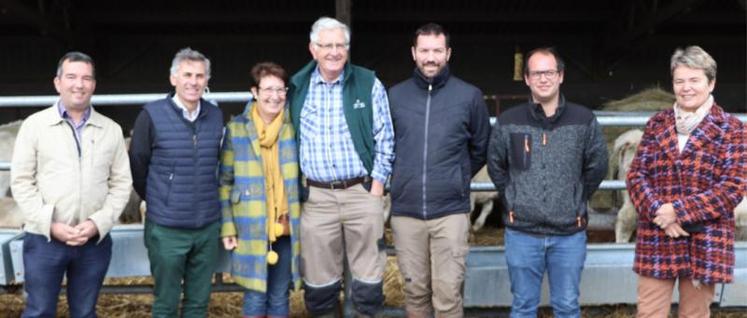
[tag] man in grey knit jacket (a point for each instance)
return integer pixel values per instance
(546, 157)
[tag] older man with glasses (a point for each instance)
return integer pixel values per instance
(546, 157)
(346, 149)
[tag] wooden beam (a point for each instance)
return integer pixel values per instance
(343, 9)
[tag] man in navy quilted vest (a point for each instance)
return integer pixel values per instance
(174, 158)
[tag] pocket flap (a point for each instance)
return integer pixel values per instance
(235, 195)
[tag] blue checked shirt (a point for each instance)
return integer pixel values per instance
(326, 151)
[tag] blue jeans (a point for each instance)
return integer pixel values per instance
(528, 256)
(275, 301)
(45, 263)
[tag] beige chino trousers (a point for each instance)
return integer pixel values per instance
(431, 255)
(326, 217)
(655, 298)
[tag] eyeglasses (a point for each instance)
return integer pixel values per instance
(330, 46)
(549, 74)
(278, 90)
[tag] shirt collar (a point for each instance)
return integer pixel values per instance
(316, 77)
(187, 115)
(64, 114)
(538, 113)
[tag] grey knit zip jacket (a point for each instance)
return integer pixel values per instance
(546, 169)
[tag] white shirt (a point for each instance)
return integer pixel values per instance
(191, 116)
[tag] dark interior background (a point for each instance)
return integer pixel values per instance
(612, 48)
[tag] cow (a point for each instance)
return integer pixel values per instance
(623, 152)
(10, 214)
(8, 133)
(740, 214)
(483, 198)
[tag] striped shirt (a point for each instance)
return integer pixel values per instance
(326, 147)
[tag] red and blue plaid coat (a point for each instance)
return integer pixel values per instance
(704, 183)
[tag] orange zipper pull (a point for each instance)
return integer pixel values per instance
(511, 217)
(544, 138)
(526, 144)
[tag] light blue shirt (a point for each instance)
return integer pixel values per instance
(326, 147)
(77, 127)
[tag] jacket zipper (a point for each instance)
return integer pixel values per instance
(80, 172)
(425, 148)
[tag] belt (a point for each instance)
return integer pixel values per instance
(338, 185)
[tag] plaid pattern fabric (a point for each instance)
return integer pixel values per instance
(704, 183)
(327, 152)
(243, 201)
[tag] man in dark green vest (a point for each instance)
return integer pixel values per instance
(345, 135)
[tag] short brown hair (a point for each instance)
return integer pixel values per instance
(262, 69)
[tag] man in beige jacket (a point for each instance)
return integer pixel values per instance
(71, 178)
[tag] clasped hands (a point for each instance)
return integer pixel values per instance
(74, 235)
(666, 219)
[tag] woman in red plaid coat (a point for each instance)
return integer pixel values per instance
(686, 178)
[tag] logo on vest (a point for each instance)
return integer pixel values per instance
(358, 104)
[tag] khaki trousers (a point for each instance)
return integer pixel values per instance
(431, 256)
(655, 298)
(327, 216)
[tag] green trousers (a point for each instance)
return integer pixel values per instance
(182, 255)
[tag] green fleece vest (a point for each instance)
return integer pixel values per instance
(357, 106)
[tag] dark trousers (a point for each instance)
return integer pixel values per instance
(176, 255)
(45, 263)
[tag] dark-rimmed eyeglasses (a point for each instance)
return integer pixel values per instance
(549, 74)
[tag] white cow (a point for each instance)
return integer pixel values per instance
(483, 198)
(10, 214)
(8, 133)
(623, 152)
(740, 213)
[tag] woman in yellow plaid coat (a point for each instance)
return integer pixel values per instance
(259, 197)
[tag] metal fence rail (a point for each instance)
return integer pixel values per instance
(117, 99)
(607, 271)
(606, 118)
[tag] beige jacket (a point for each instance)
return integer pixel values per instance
(52, 183)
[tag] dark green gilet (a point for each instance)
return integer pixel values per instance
(357, 106)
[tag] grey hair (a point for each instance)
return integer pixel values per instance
(188, 54)
(75, 56)
(694, 57)
(327, 23)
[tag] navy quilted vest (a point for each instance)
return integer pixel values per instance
(182, 183)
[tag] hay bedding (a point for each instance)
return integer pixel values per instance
(648, 100)
(229, 304)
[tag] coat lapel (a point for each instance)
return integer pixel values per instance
(705, 133)
(667, 138)
(251, 132)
